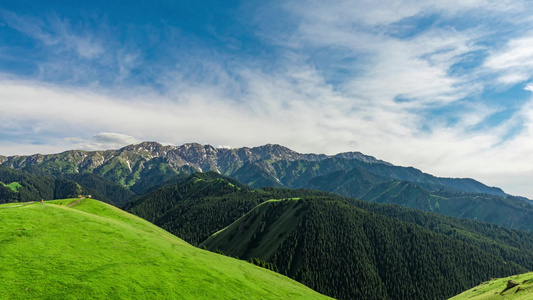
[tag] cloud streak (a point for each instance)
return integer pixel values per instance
(401, 80)
(55, 32)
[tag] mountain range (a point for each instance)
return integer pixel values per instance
(118, 176)
(268, 165)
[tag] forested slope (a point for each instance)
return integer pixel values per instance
(359, 183)
(348, 253)
(20, 186)
(195, 207)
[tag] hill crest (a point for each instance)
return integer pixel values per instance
(95, 251)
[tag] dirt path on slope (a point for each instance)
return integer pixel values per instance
(74, 203)
(31, 202)
(26, 203)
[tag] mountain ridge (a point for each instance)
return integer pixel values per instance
(134, 170)
(197, 157)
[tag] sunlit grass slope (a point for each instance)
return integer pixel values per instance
(235, 239)
(497, 289)
(14, 186)
(94, 250)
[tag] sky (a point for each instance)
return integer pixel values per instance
(443, 86)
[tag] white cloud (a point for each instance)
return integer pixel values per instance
(416, 70)
(514, 62)
(382, 13)
(106, 140)
(379, 107)
(382, 66)
(387, 12)
(312, 121)
(28, 25)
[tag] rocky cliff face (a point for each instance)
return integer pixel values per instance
(360, 156)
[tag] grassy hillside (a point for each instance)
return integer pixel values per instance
(95, 251)
(247, 236)
(14, 186)
(497, 289)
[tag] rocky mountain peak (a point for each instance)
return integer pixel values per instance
(360, 156)
(147, 146)
(195, 148)
(274, 151)
(198, 155)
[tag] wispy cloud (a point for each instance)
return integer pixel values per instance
(104, 140)
(401, 80)
(55, 32)
(513, 62)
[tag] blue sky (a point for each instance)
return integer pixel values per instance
(444, 86)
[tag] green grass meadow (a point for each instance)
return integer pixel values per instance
(492, 290)
(14, 186)
(96, 251)
(242, 230)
